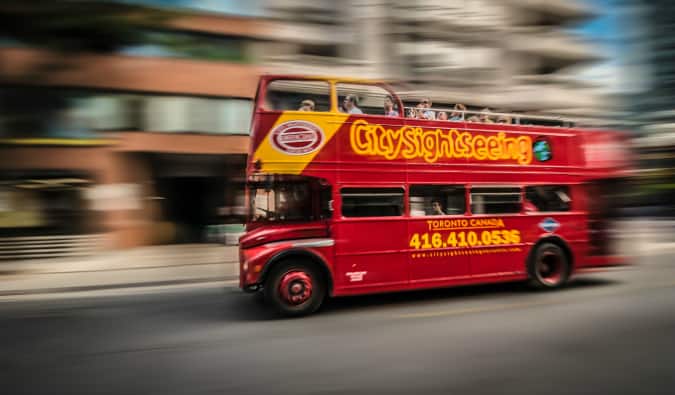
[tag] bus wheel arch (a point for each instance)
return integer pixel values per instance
(550, 263)
(296, 282)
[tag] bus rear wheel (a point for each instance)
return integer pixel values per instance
(295, 288)
(549, 267)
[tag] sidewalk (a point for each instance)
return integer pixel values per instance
(139, 267)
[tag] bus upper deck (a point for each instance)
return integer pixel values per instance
(291, 138)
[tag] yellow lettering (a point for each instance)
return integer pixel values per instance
(434, 145)
(480, 147)
(493, 148)
(525, 145)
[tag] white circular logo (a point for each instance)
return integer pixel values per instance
(297, 137)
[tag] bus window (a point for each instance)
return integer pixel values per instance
(297, 95)
(437, 200)
(366, 99)
(372, 202)
(549, 197)
(289, 200)
(495, 200)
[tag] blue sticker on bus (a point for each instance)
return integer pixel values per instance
(542, 150)
(549, 225)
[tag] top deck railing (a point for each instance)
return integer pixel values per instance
(371, 95)
(482, 115)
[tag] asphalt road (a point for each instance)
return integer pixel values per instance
(607, 333)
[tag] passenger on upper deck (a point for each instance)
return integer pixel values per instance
(485, 116)
(442, 116)
(351, 104)
(458, 112)
(505, 119)
(389, 107)
(306, 105)
(425, 104)
(417, 112)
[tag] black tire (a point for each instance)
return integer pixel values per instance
(298, 271)
(548, 267)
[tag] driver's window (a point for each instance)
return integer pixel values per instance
(296, 95)
(366, 99)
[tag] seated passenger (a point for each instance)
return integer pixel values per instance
(436, 208)
(306, 105)
(505, 119)
(419, 111)
(485, 116)
(411, 113)
(473, 118)
(458, 112)
(350, 104)
(442, 116)
(389, 107)
(425, 104)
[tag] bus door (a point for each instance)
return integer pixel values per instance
(370, 238)
(437, 215)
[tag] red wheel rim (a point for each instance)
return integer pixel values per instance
(295, 287)
(549, 268)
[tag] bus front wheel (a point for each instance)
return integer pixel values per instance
(295, 288)
(548, 267)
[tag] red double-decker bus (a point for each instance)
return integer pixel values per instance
(349, 196)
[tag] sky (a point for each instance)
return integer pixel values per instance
(613, 32)
(234, 7)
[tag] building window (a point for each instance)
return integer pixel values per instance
(194, 114)
(250, 8)
(322, 50)
(372, 202)
(63, 113)
(548, 198)
(437, 200)
(495, 200)
(190, 46)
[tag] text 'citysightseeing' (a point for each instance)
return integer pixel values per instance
(412, 142)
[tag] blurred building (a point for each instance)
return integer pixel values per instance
(652, 107)
(144, 144)
(515, 55)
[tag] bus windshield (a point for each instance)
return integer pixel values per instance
(297, 199)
